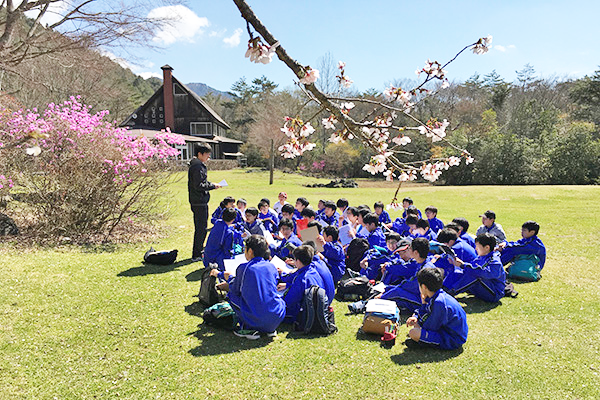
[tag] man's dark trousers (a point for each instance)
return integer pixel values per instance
(200, 224)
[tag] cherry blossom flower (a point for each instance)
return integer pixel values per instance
(306, 130)
(483, 45)
(310, 76)
(454, 161)
(260, 53)
(445, 84)
(469, 160)
(402, 140)
(329, 123)
(341, 65)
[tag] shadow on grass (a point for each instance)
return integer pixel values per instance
(152, 269)
(422, 355)
(473, 305)
(196, 275)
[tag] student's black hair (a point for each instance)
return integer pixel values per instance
(454, 226)
(303, 201)
(202, 149)
(226, 201)
(286, 222)
(258, 244)
(393, 236)
(412, 210)
(353, 211)
(288, 208)
(408, 200)
(304, 254)
(252, 211)
(378, 204)
(363, 207)
(460, 221)
(342, 203)
(267, 255)
(371, 218)
(332, 231)
(229, 214)
(531, 226)
(431, 277)
(411, 219)
(330, 204)
(242, 200)
(363, 212)
(432, 209)
(423, 223)
(266, 200)
(310, 243)
(315, 223)
(421, 246)
(486, 239)
(447, 235)
(308, 212)
(262, 204)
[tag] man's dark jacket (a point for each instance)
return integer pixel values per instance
(198, 186)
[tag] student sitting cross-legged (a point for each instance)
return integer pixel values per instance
(484, 277)
(371, 264)
(221, 240)
(461, 249)
(289, 240)
(253, 293)
(333, 252)
(440, 321)
(529, 244)
(268, 217)
(422, 229)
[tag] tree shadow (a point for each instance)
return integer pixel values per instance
(153, 269)
(473, 305)
(423, 355)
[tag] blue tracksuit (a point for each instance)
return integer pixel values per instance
(407, 294)
(429, 235)
(254, 298)
(255, 228)
(464, 251)
(533, 245)
(280, 251)
(400, 271)
(443, 321)
(376, 238)
(218, 213)
(399, 226)
(484, 277)
(270, 226)
(404, 214)
(333, 220)
(384, 217)
(375, 257)
(297, 214)
(327, 277)
(436, 224)
(362, 232)
(297, 283)
(219, 245)
(336, 260)
(468, 239)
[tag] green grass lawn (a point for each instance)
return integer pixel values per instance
(84, 324)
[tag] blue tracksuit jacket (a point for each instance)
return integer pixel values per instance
(335, 259)
(375, 257)
(280, 251)
(407, 294)
(443, 321)
(376, 238)
(468, 239)
(533, 245)
(254, 298)
(270, 226)
(384, 217)
(399, 226)
(327, 277)
(219, 245)
(297, 283)
(484, 277)
(218, 213)
(436, 224)
(333, 220)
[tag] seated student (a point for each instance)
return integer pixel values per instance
(342, 205)
(297, 282)
(411, 222)
(282, 201)
(489, 225)
(323, 270)
(529, 244)
(402, 268)
(253, 293)
(320, 208)
(461, 249)
(241, 205)
(484, 277)
(371, 263)
(289, 240)
(227, 202)
(330, 216)
(301, 204)
(422, 230)
(333, 253)
(384, 217)
(375, 236)
(440, 321)
(406, 294)
(253, 225)
(435, 223)
(268, 218)
(309, 215)
(463, 225)
(221, 240)
(361, 231)
(266, 200)
(287, 211)
(407, 202)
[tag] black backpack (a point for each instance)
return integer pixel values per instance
(353, 288)
(209, 295)
(355, 253)
(164, 257)
(316, 316)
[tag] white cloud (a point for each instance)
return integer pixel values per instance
(147, 75)
(233, 40)
(181, 24)
(55, 12)
(217, 33)
(504, 49)
(121, 61)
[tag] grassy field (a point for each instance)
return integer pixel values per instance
(84, 323)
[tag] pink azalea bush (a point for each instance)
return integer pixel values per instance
(79, 174)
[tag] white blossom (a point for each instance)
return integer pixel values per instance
(33, 151)
(311, 75)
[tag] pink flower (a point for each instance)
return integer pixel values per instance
(310, 76)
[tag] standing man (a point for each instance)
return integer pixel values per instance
(198, 189)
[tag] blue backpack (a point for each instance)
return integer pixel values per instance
(316, 316)
(524, 267)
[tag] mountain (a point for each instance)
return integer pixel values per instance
(202, 89)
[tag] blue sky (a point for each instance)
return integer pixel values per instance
(380, 41)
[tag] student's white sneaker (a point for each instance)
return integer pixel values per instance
(247, 333)
(272, 334)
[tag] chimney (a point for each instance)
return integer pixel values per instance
(168, 97)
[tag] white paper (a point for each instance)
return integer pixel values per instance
(280, 264)
(322, 223)
(344, 234)
(223, 183)
(231, 264)
(381, 306)
(380, 287)
(268, 236)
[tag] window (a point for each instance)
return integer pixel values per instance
(178, 89)
(183, 151)
(201, 128)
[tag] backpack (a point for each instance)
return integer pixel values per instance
(220, 315)
(353, 288)
(355, 253)
(524, 267)
(163, 257)
(381, 318)
(316, 316)
(208, 294)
